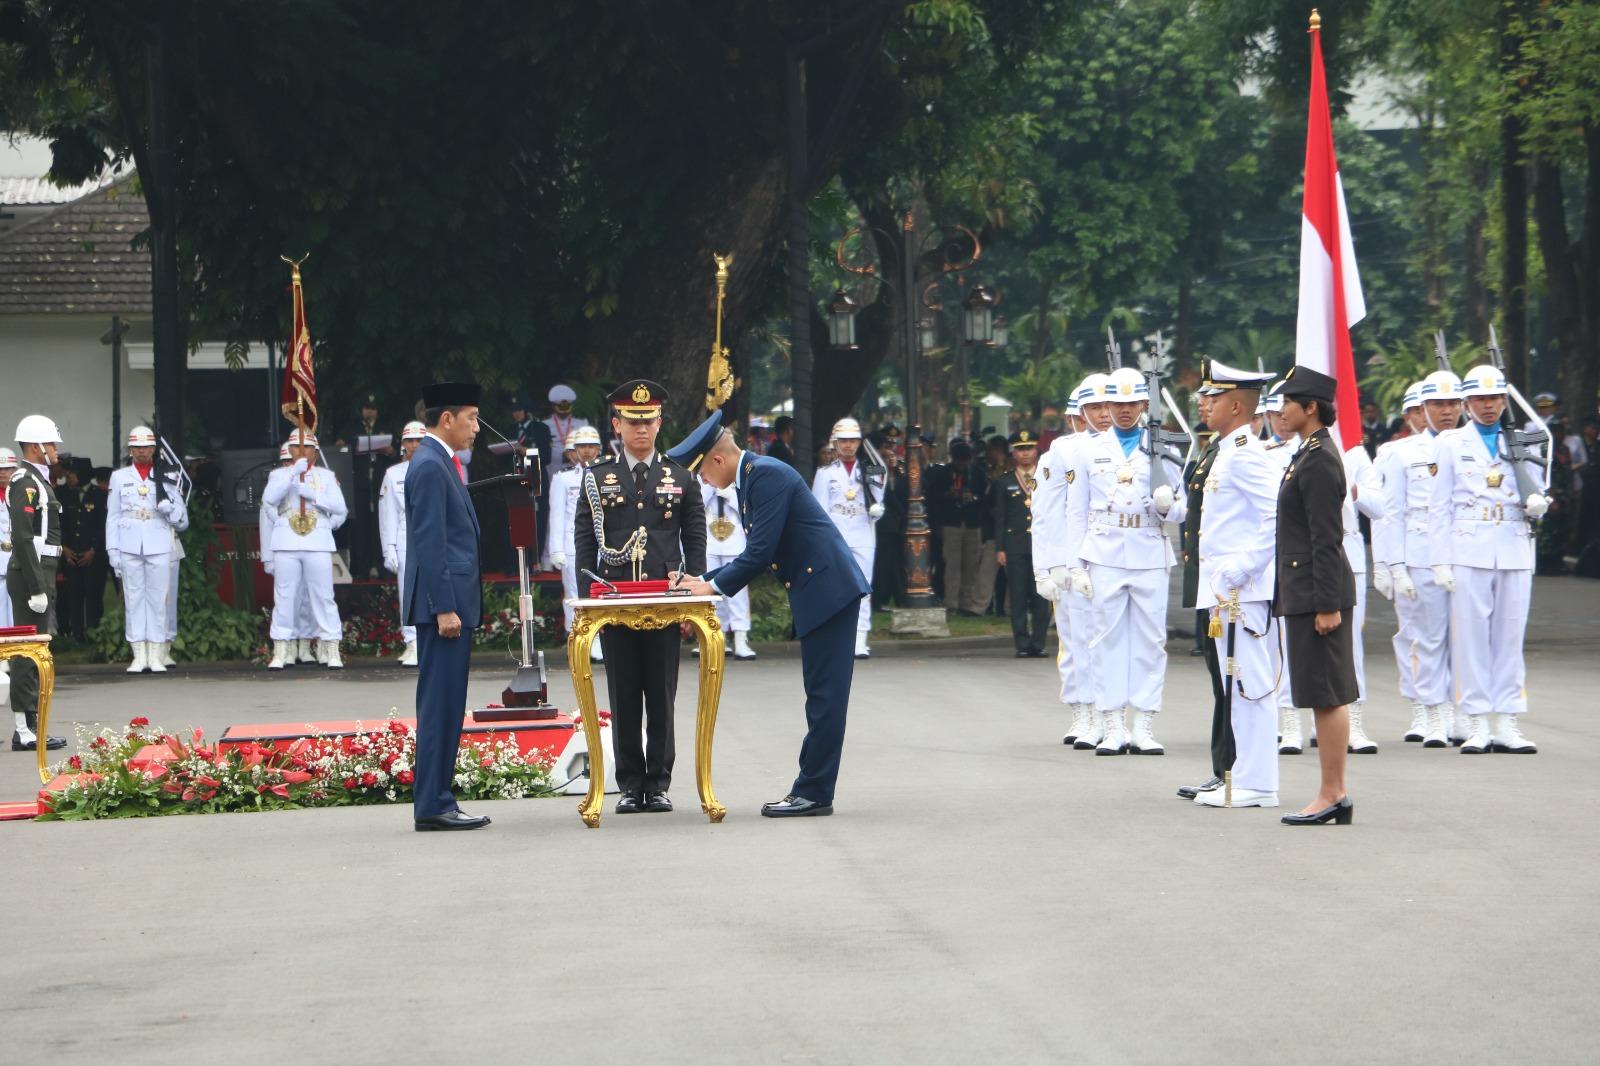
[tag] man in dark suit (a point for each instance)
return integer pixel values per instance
(443, 596)
(652, 520)
(788, 533)
(782, 446)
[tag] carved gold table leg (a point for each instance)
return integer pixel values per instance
(37, 651)
(579, 641)
(713, 649)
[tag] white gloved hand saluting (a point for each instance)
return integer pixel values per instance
(1444, 576)
(1161, 498)
(1536, 505)
(1081, 584)
(1383, 582)
(876, 510)
(558, 560)
(38, 603)
(1044, 586)
(1403, 585)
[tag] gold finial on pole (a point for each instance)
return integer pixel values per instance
(1316, 20)
(720, 381)
(294, 264)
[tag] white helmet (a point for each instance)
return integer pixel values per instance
(1483, 380)
(413, 431)
(1127, 385)
(303, 437)
(37, 429)
(1413, 397)
(846, 429)
(283, 452)
(583, 435)
(1272, 402)
(1440, 385)
(1094, 389)
(1073, 410)
(8, 459)
(141, 437)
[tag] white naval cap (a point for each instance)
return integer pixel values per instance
(1217, 378)
(583, 435)
(1413, 397)
(562, 394)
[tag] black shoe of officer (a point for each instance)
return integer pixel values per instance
(630, 803)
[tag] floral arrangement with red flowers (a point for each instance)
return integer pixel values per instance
(142, 772)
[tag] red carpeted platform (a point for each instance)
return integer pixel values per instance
(549, 735)
(19, 812)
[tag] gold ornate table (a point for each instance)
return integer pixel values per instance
(37, 649)
(647, 612)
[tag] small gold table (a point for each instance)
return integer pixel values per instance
(647, 612)
(37, 649)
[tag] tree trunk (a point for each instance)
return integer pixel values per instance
(1561, 269)
(1581, 383)
(1475, 294)
(1514, 218)
(1183, 344)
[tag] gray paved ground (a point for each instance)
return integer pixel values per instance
(983, 895)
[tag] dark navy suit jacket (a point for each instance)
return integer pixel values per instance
(788, 533)
(441, 541)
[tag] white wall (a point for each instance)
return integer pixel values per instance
(55, 365)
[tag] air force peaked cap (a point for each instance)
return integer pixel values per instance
(694, 447)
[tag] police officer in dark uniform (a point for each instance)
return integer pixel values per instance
(529, 432)
(652, 521)
(83, 530)
(31, 575)
(369, 464)
(1222, 749)
(100, 569)
(1012, 499)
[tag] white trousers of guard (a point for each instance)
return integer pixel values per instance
(146, 585)
(407, 633)
(1360, 652)
(1427, 655)
(5, 603)
(734, 611)
(1128, 650)
(312, 572)
(569, 590)
(1255, 717)
(1074, 628)
(1404, 610)
(172, 599)
(864, 560)
(1489, 618)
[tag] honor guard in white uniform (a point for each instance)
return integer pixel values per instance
(562, 422)
(1280, 447)
(724, 543)
(143, 520)
(1054, 556)
(1383, 561)
(1480, 547)
(1122, 563)
(310, 507)
(392, 528)
(851, 492)
(1363, 495)
(583, 447)
(8, 466)
(1238, 561)
(305, 629)
(1408, 479)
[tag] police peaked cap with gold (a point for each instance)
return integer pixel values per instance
(638, 399)
(1025, 438)
(1303, 383)
(1217, 378)
(693, 448)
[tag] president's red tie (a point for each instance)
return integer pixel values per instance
(461, 471)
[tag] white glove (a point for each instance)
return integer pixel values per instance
(306, 490)
(168, 508)
(1044, 586)
(300, 467)
(1536, 505)
(37, 604)
(1230, 577)
(114, 557)
(1383, 582)
(266, 565)
(1403, 585)
(1061, 577)
(1080, 583)
(558, 560)
(1162, 498)
(1444, 575)
(876, 510)
(391, 563)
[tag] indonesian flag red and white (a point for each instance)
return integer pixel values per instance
(1330, 287)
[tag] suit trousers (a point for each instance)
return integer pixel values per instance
(1255, 716)
(73, 609)
(963, 552)
(146, 584)
(1489, 617)
(1129, 647)
(24, 674)
(642, 680)
(1030, 612)
(1428, 651)
(827, 666)
(442, 664)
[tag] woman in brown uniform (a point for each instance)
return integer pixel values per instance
(1316, 589)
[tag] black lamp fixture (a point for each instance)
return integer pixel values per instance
(842, 310)
(977, 317)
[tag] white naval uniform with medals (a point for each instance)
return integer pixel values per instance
(305, 627)
(1057, 480)
(1363, 494)
(1121, 542)
(1281, 452)
(304, 560)
(565, 485)
(1477, 525)
(1422, 647)
(725, 542)
(844, 495)
(5, 549)
(141, 537)
(392, 534)
(1238, 550)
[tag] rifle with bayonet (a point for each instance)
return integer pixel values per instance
(1158, 438)
(1113, 352)
(1522, 447)
(1441, 355)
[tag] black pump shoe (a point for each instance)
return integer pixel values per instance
(1341, 813)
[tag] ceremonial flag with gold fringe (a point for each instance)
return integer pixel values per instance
(299, 398)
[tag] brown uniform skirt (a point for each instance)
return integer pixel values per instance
(1322, 669)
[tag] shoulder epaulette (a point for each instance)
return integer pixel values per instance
(1313, 444)
(1275, 444)
(1241, 440)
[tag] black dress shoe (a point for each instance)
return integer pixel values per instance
(1023, 653)
(1341, 813)
(18, 744)
(1189, 792)
(795, 807)
(54, 743)
(630, 803)
(456, 819)
(657, 803)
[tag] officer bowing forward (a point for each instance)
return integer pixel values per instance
(640, 516)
